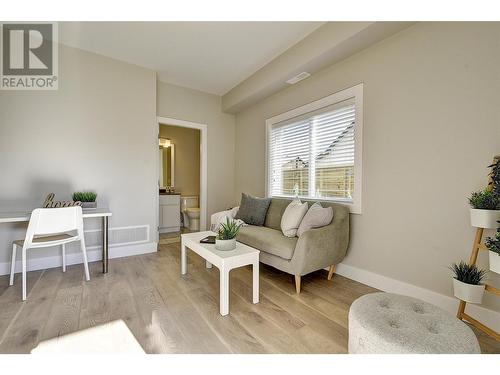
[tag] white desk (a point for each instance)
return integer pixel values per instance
(104, 213)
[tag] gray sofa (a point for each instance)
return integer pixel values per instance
(313, 250)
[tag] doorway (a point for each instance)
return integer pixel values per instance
(203, 164)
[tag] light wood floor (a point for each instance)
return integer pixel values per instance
(168, 313)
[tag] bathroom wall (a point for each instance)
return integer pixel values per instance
(186, 158)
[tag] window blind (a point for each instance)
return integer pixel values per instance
(313, 155)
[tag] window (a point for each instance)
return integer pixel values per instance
(314, 151)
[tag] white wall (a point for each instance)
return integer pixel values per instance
(431, 126)
(196, 106)
(98, 131)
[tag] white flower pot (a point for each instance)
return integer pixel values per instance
(494, 262)
(225, 245)
(484, 218)
(468, 292)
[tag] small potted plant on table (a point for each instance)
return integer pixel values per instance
(226, 237)
(493, 245)
(467, 282)
(88, 198)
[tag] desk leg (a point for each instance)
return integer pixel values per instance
(105, 244)
(255, 286)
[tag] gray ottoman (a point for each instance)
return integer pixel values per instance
(392, 323)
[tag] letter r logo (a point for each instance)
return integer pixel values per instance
(27, 49)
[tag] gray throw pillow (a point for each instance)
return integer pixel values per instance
(253, 210)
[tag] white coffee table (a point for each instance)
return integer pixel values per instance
(225, 261)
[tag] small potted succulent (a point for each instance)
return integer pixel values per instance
(88, 198)
(467, 282)
(226, 237)
(485, 211)
(493, 245)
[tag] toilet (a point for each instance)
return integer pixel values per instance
(190, 210)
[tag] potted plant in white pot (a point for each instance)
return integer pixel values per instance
(88, 198)
(467, 284)
(493, 245)
(226, 237)
(484, 211)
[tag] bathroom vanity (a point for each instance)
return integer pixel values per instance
(170, 209)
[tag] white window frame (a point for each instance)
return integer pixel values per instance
(356, 93)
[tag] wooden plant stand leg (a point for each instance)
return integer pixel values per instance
(461, 309)
(476, 246)
(489, 288)
(481, 326)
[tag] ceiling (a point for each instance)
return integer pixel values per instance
(209, 56)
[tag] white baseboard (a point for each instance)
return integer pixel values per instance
(93, 255)
(486, 316)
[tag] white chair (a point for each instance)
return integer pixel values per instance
(49, 227)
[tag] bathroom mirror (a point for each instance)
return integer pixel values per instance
(167, 163)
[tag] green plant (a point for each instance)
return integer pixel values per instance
(484, 200)
(84, 196)
(228, 230)
(467, 273)
(493, 243)
(494, 184)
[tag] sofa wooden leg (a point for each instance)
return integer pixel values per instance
(297, 283)
(331, 271)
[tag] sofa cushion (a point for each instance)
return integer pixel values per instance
(253, 210)
(316, 217)
(275, 212)
(292, 217)
(268, 240)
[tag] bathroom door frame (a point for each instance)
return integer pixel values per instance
(203, 163)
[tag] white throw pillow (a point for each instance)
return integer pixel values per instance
(316, 217)
(292, 217)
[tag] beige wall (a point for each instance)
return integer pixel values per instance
(186, 159)
(431, 126)
(196, 106)
(98, 131)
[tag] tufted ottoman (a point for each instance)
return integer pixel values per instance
(392, 323)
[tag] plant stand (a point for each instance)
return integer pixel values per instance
(461, 314)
